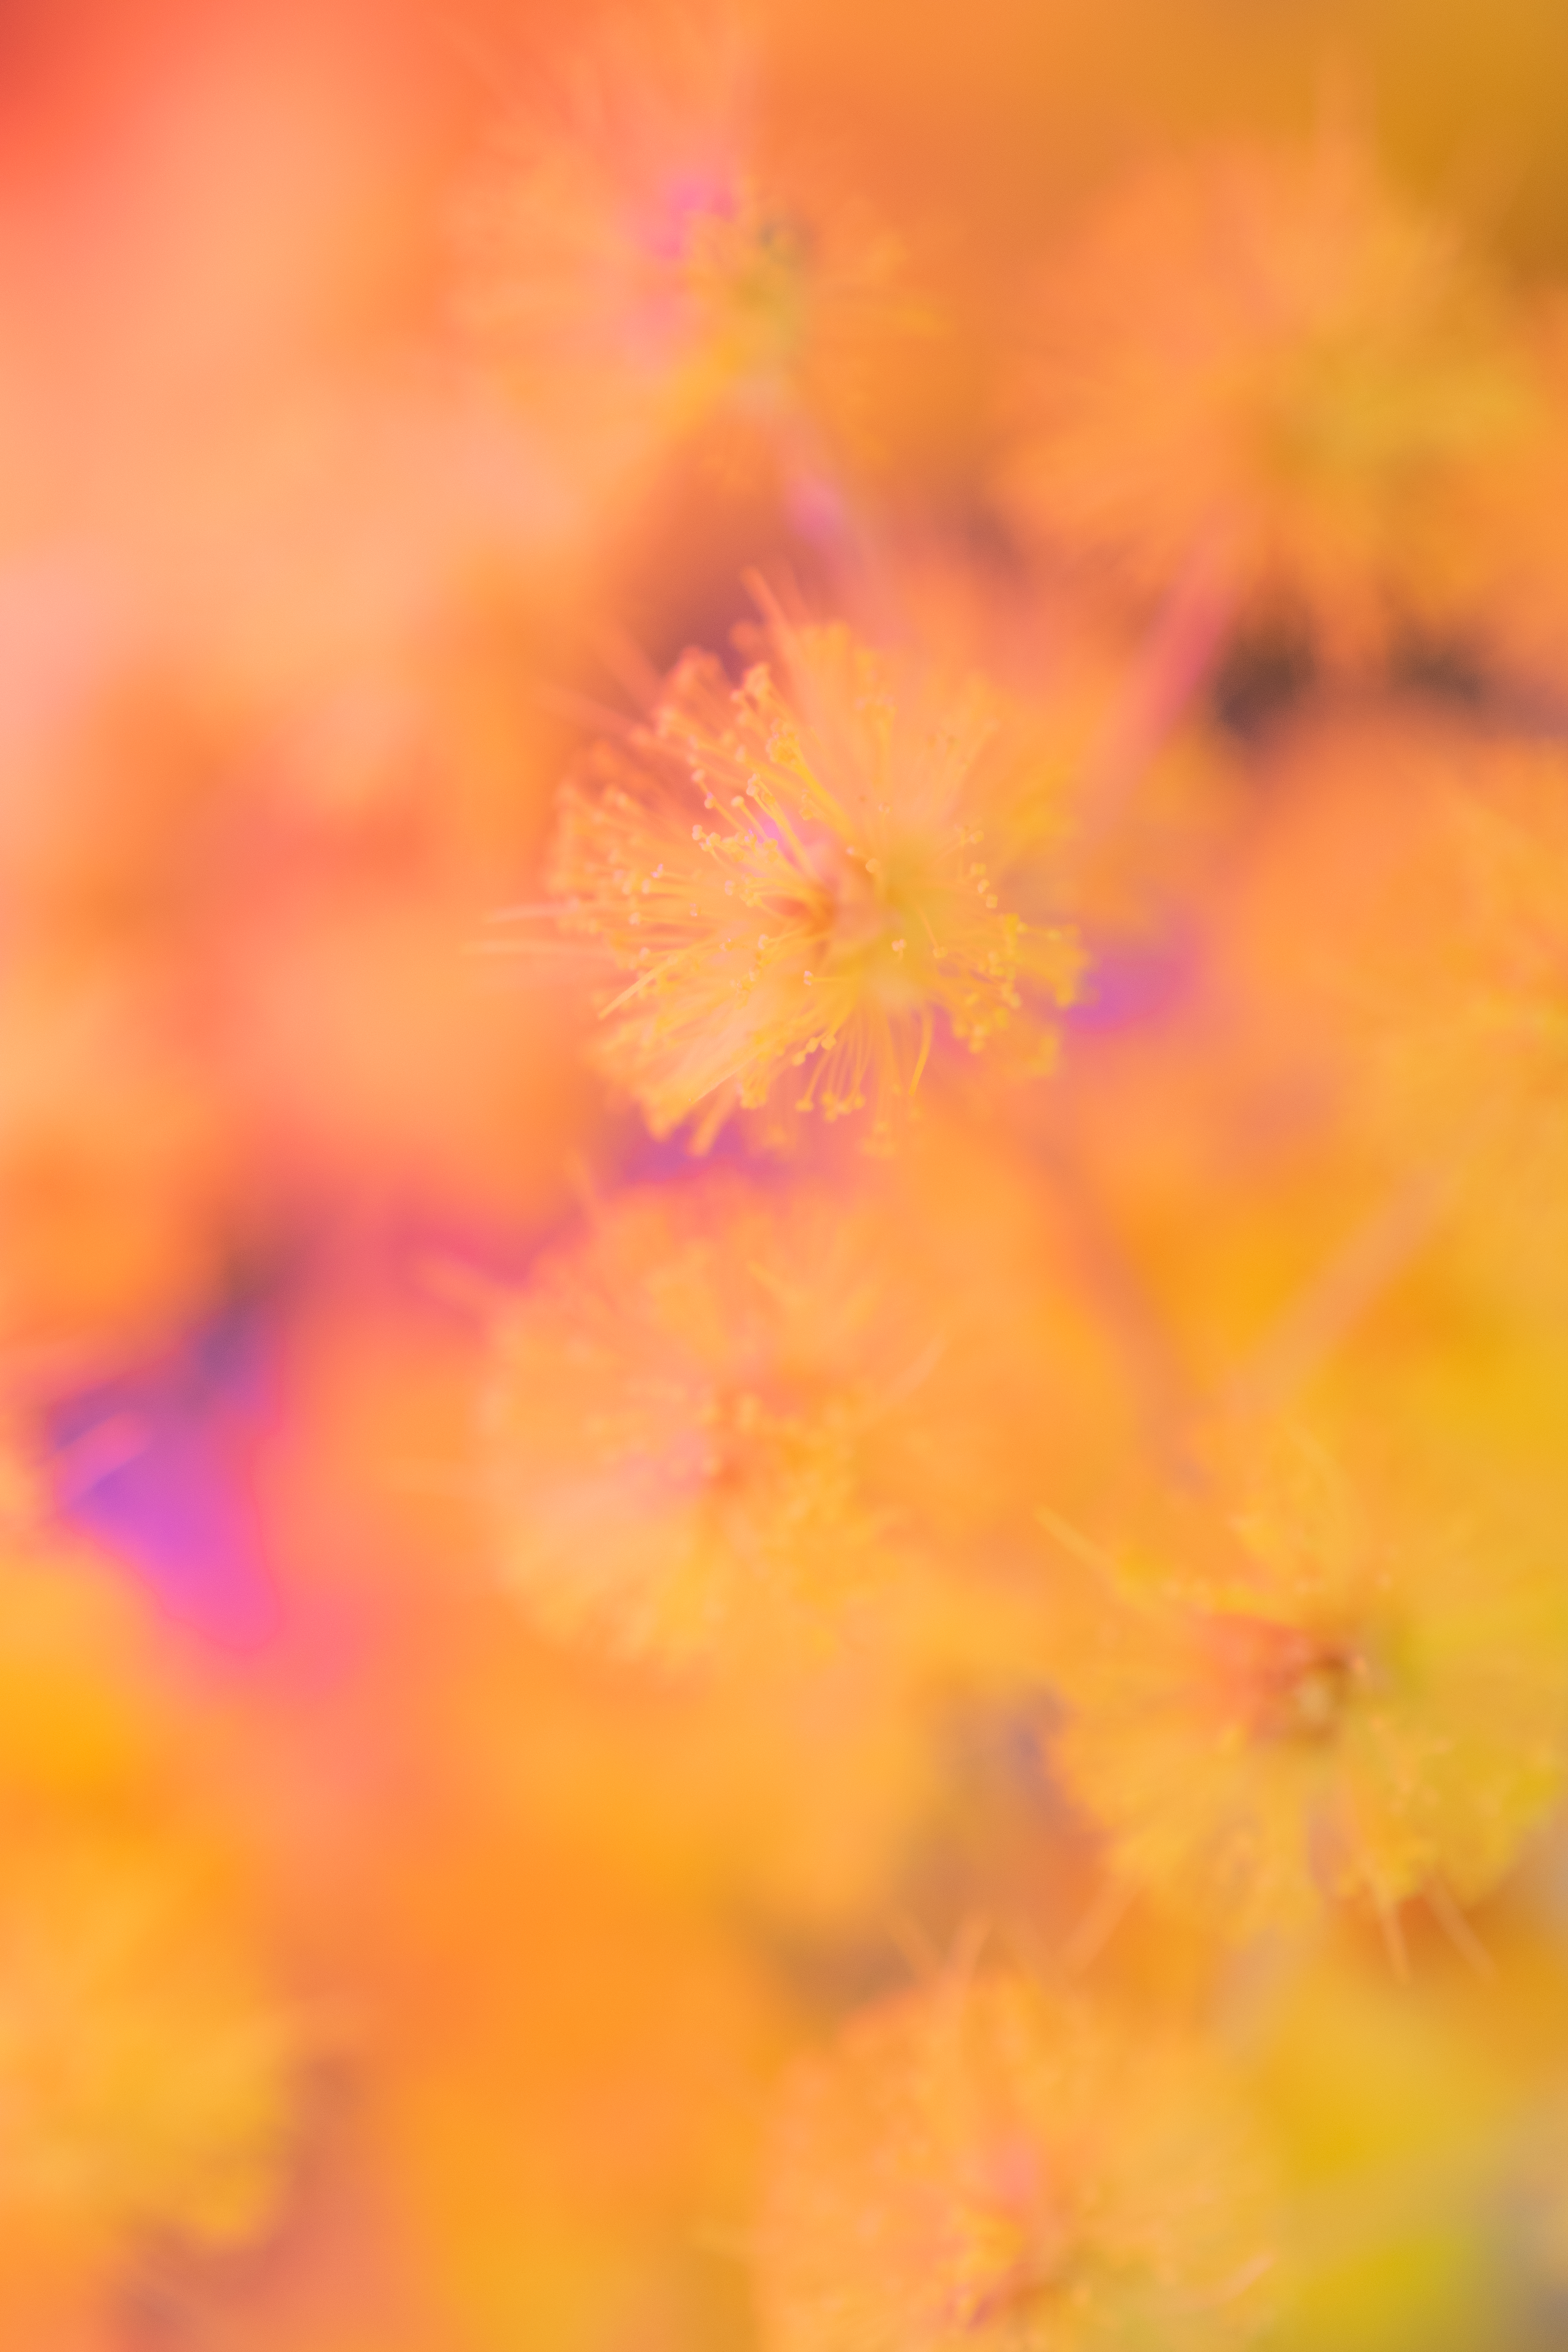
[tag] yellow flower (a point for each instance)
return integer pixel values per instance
(982, 2165)
(146, 2065)
(1319, 1697)
(627, 272)
(146, 2072)
(795, 874)
(1265, 361)
(684, 1413)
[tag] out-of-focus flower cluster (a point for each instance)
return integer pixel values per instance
(784, 1278)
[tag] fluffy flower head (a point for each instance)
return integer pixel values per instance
(145, 2070)
(683, 1415)
(146, 2066)
(1321, 1698)
(1268, 361)
(981, 2165)
(627, 270)
(798, 875)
